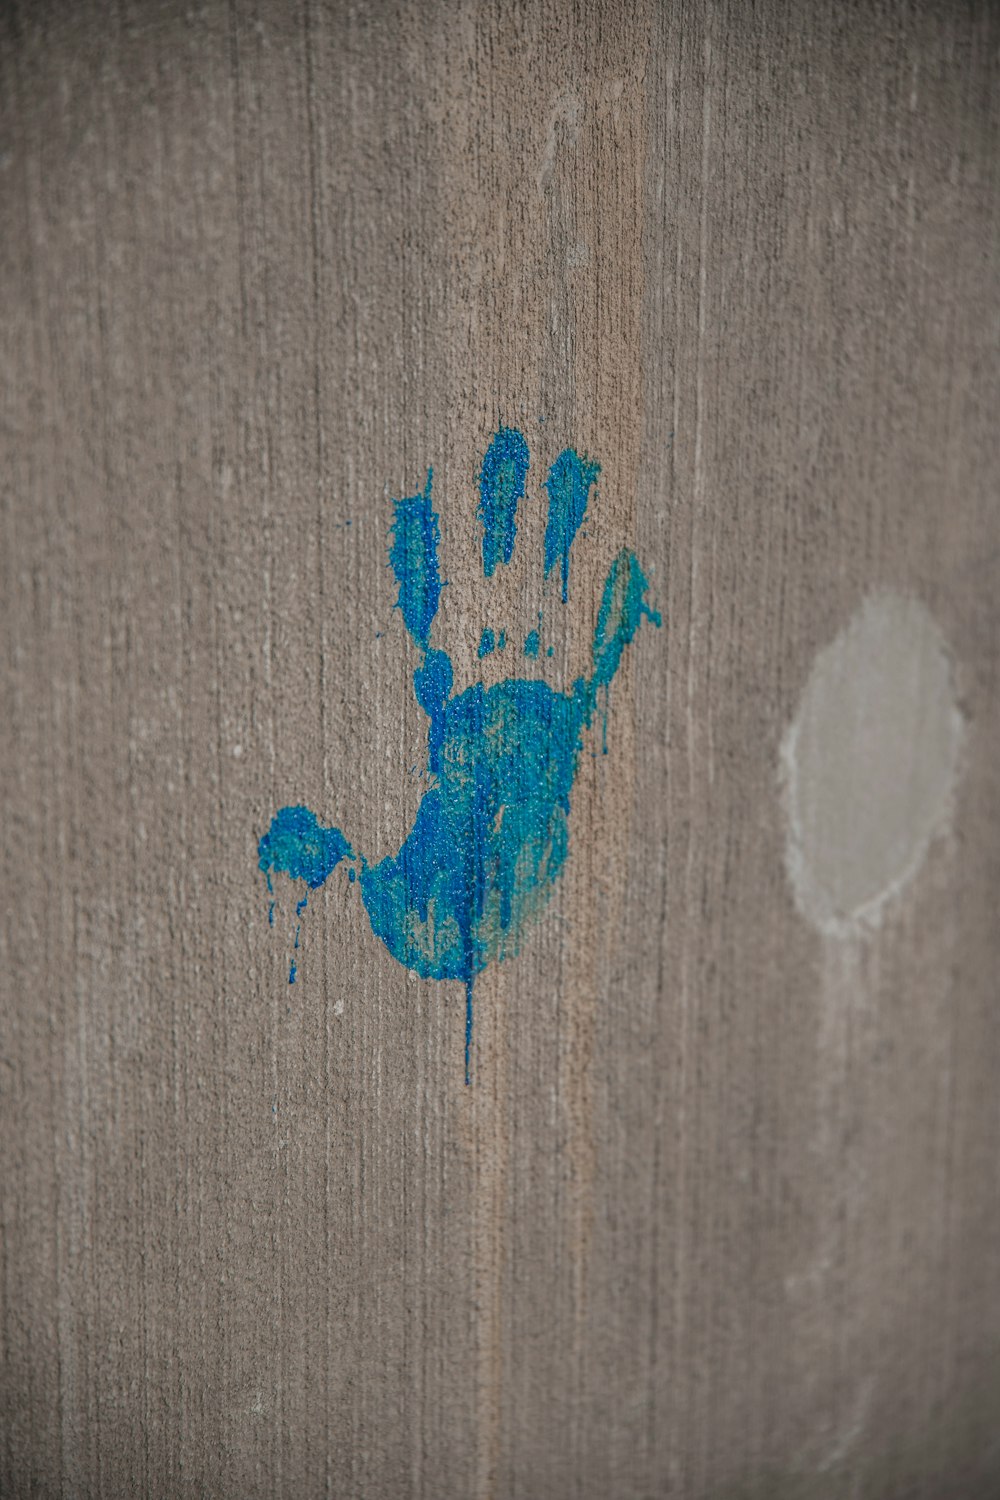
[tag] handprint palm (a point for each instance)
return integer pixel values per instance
(491, 834)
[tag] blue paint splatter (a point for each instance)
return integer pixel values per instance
(486, 643)
(502, 640)
(569, 484)
(501, 487)
(297, 844)
(491, 834)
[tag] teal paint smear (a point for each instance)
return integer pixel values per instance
(491, 833)
(501, 488)
(486, 643)
(569, 484)
(502, 641)
(623, 607)
(414, 559)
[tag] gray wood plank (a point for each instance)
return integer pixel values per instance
(718, 1214)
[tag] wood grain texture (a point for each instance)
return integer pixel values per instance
(719, 1215)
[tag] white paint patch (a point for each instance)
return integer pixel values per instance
(853, 1430)
(868, 764)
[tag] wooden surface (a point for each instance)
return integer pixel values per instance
(719, 1215)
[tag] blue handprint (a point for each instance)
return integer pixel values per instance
(491, 834)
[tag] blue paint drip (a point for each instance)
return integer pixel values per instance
(502, 640)
(531, 643)
(298, 929)
(270, 914)
(569, 484)
(292, 972)
(501, 487)
(468, 1028)
(414, 559)
(301, 906)
(486, 643)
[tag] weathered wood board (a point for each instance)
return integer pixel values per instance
(719, 1213)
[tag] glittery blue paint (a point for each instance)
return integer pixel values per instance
(491, 833)
(501, 487)
(414, 560)
(569, 483)
(486, 643)
(296, 844)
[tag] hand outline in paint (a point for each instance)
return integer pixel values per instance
(491, 834)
